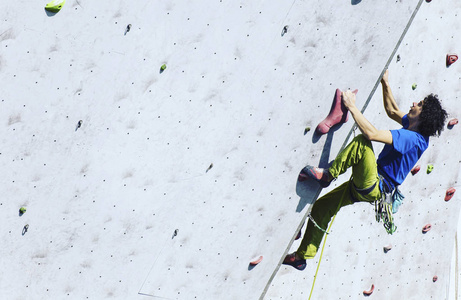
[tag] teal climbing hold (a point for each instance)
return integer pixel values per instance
(55, 6)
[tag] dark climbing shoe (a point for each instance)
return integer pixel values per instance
(291, 260)
(318, 174)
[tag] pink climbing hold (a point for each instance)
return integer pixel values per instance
(435, 278)
(257, 261)
(452, 122)
(451, 59)
(370, 291)
(449, 194)
(338, 114)
(415, 169)
(426, 228)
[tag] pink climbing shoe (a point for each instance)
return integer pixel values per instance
(318, 174)
(451, 59)
(449, 194)
(338, 114)
(291, 260)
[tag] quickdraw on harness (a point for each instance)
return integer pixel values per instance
(316, 225)
(391, 199)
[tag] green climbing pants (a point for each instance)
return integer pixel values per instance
(360, 156)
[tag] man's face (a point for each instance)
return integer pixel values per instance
(415, 109)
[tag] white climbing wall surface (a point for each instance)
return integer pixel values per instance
(177, 179)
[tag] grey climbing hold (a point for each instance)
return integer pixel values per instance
(79, 124)
(284, 30)
(209, 168)
(387, 248)
(175, 233)
(128, 28)
(25, 228)
(398, 57)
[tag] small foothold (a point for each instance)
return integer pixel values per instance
(387, 248)
(256, 261)
(26, 227)
(162, 68)
(428, 1)
(426, 228)
(452, 122)
(435, 278)
(430, 168)
(22, 210)
(414, 86)
(451, 59)
(128, 28)
(209, 168)
(369, 292)
(175, 233)
(284, 30)
(306, 130)
(55, 6)
(398, 57)
(449, 194)
(415, 169)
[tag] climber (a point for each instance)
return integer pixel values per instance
(372, 180)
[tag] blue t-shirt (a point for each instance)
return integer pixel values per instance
(397, 160)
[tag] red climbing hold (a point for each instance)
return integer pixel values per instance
(453, 122)
(415, 169)
(450, 192)
(435, 278)
(257, 261)
(426, 228)
(451, 58)
(369, 292)
(338, 114)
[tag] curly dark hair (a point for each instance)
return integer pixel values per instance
(432, 117)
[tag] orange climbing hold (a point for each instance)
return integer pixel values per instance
(451, 59)
(257, 261)
(370, 291)
(449, 194)
(415, 169)
(452, 122)
(426, 228)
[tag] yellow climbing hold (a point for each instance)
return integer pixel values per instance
(55, 5)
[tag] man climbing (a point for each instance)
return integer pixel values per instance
(372, 180)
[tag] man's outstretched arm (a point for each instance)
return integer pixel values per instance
(367, 129)
(391, 107)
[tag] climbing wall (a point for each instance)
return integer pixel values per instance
(176, 179)
(354, 258)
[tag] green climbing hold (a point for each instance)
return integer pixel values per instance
(55, 6)
(430, 168)
(414, 86)
(306, 130)
(22, 210)
(163, 67)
